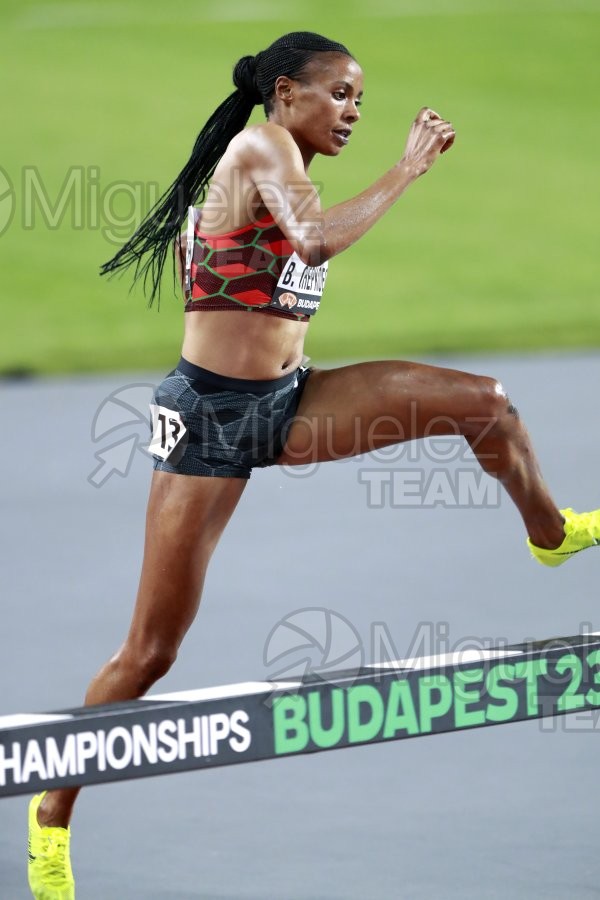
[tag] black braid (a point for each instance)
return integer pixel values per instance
(254, 78)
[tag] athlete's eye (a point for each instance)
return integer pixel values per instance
(341, 95)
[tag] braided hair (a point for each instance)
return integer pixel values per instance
(254, 78)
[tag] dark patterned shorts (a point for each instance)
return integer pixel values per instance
(231, 424)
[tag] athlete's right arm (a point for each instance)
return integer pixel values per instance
(275, 165)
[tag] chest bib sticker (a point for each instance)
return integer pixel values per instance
(300, 287)
(168, 430)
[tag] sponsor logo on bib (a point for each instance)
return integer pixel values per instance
(288, 299)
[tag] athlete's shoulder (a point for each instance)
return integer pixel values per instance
(268, 131)
(264, 139)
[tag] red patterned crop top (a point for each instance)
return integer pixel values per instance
(253, 269)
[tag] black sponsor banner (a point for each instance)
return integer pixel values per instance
(547, 679)
(415, 698)
(134, 740)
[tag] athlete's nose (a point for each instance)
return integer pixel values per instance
(352, 113)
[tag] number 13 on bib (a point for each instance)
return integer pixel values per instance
(167, 430)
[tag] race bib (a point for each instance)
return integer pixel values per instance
(167, 431)
(300, 287)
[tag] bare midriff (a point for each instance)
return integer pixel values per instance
(242, 344)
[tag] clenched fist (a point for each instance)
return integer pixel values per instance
(429, 136)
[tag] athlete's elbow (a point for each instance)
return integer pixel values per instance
(313, 252)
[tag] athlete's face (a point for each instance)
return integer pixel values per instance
(322, 106)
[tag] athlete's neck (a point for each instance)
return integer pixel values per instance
(307, 152)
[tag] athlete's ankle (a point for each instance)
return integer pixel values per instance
(49, 815)
(547, 535)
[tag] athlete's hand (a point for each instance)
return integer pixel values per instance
(429, 136)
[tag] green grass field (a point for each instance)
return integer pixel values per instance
(496, 248)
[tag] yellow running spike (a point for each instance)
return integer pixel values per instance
(49, 867)
(582, 530)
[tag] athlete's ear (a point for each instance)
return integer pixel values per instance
(284, 88)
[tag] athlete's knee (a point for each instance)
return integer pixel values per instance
(495, 400)
(158, 659)
(149, 661)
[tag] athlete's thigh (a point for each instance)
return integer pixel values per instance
(186, 516)
(362, 407)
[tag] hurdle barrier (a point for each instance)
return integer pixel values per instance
(251, 721)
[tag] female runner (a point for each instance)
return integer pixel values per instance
(240, 396)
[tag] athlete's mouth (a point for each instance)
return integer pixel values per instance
(343, 134)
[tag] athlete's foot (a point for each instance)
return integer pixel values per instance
(49, 867)
(581, 530)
